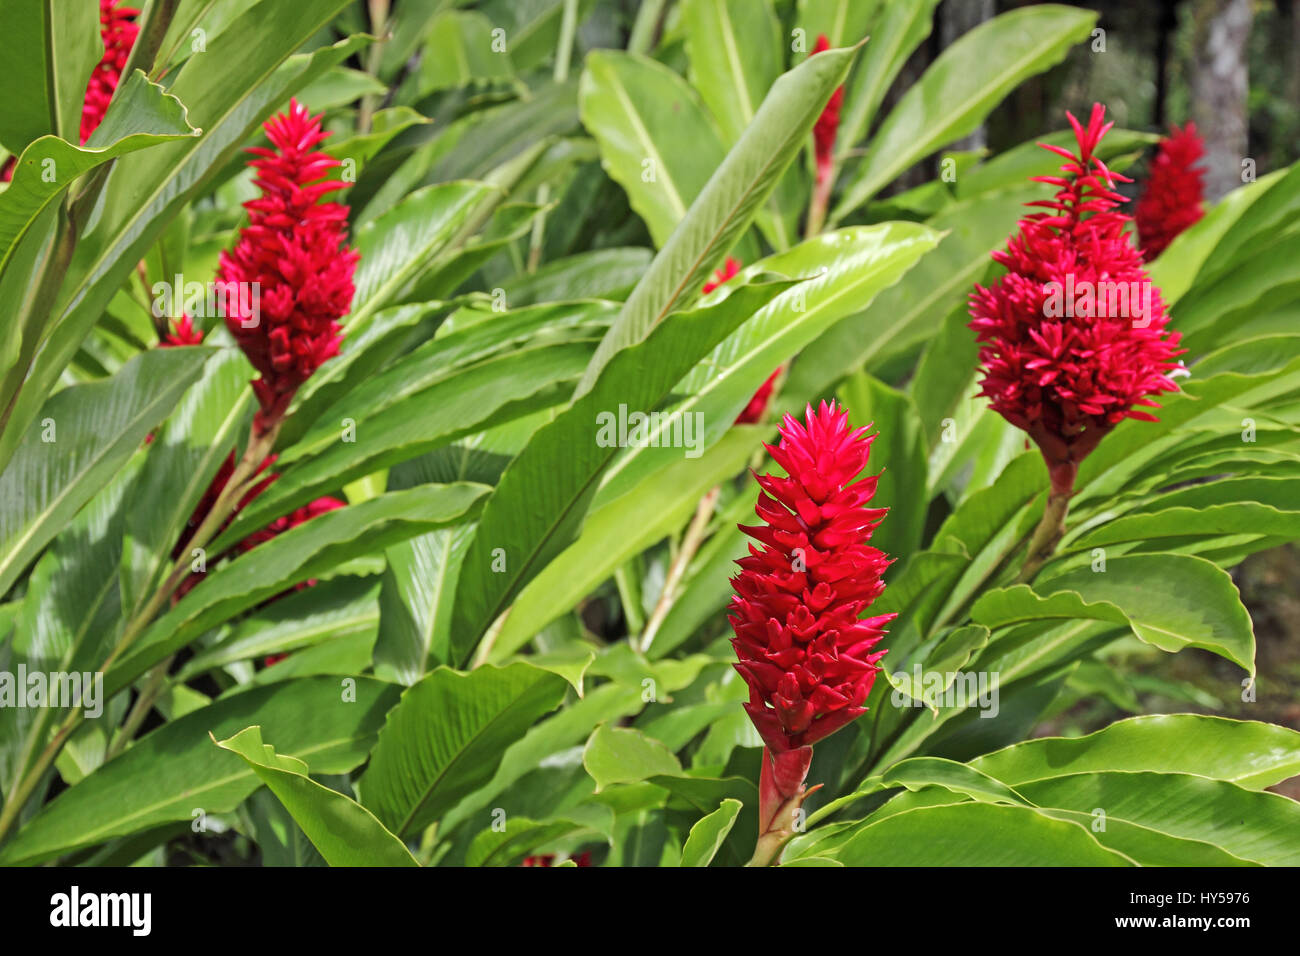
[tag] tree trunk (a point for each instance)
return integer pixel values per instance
(956, 18)
(1219, 89)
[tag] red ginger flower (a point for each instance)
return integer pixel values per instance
(118, 30)
(294, 518)
(1171, 200)
(1064, 371)
(828, 123)
(804, 653)
(730, 269)
(753, 412)
(294, 249)
(183, 332)
(548, 859)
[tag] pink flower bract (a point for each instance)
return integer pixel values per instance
(803, 651)
(294, 249)
(1063, 357)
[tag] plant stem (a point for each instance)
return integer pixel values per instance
(781, 793)
(648, 15)
(628, 581)
(144, 53)
(821, 198)
(259, 446)
(691, 542)
(563, 54)
(1047, 535)
(143, 704)
(22, 792)
(378, 24)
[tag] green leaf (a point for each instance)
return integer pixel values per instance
(1171, 601)
(345, 833)
(173, 771)
(460, 50)
(617, 755)
(309, 550)
(639, 110)
(727, 204)
(538, 506)
(339, 86)
(843, 271)
(897, 32)
(594, 274)
(1252, 825)
(736, 54)
(972, 834)
(619, 530)
(280, 840)
(946, 659)
(204, 428)
(1174, 272)
(142, 114)
(86, 433)
(1189, 525)
(452, 386)
(844, 22)
(145, 190)
(914, 309)
(707, 836)
(328, 611)
(368, 348)
(520, 837)
(446, 737)
(1146, 846)
(397, 246)
(961, 87)
(49, 55)
(1250, 754)
(898, 456)
(68, 617)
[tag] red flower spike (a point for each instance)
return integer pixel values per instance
(292, 520)
(1057, 361)
(730, 269)
(828, 123)
(294, 249)
(118, 30)
(803, 652)
(753, 412)
(183, 332)
(1172, 199)
(548, 859)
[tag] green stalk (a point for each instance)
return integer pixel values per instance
(563, 54)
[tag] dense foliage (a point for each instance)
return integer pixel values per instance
(502, 433)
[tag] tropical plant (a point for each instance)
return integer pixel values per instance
(376, 494)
